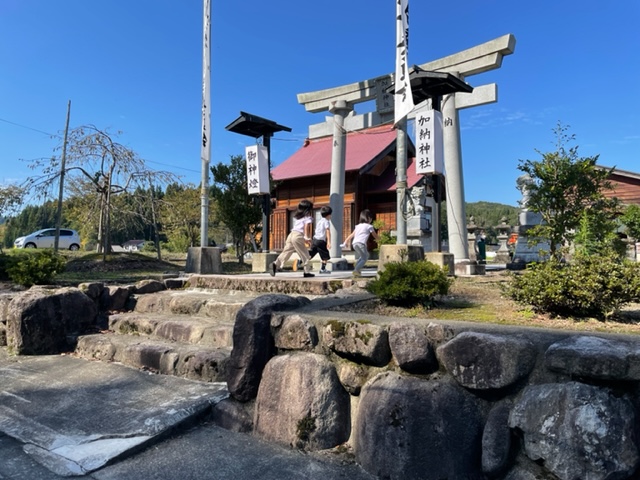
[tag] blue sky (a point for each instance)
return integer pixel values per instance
(136, 66)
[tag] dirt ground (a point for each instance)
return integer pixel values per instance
(480, 299)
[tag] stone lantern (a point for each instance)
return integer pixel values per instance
(504, 230)
(472, 235)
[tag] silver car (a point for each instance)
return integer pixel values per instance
(69, 239)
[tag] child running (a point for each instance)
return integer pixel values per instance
(321, 240)
(297, 239)
(360, 236)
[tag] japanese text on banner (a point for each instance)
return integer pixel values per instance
(257, 169)
(429, 153)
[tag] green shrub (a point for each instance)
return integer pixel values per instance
(592, 286)
(35, 267)
(384, 236)
(149, 246)
(6, 261)
(410, 283)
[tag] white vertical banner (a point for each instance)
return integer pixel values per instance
(403, 98)
(205, 149)
(257, 158)
(429, 143)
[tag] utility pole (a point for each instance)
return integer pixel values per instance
(56, 242)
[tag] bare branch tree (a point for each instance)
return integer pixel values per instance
(111, 168)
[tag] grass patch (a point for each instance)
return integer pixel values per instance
(131, 267)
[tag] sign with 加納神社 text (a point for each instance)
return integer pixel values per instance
(429, 154)
(257, 169)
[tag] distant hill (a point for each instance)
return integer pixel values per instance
(488, 214)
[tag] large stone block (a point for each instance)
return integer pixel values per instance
(43, 321)
(407, 427)
(358, 341)
(302, 403)
(253, 343)
(204, 260)
(261, 262)
(578, 430)
(482, 361)
(442, 260)
(399, 253)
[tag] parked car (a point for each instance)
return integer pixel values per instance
(69, 239)
(133, 245)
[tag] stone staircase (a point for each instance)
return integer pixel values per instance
(186, 333)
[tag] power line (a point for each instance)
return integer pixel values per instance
(173, 166)
(28, 128)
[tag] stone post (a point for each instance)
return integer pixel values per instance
(502, 255)
(472, 235)
(401, 182)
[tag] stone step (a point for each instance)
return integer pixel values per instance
(195, 330)
(218, 305)
(196, 362)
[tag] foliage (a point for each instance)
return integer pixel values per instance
(597, 231)
(11, 197)
(6, 261)
(631, 219)
(239, 211)
(37, 267)
(486, 215)
(561, 187)
(94, 157)
(384, 235)
(591, 286)
(410, 283)
(180, 216)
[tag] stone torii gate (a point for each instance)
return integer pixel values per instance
(340, 101)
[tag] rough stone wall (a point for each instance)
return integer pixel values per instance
(433, 400)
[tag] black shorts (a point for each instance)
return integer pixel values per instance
(320, 246)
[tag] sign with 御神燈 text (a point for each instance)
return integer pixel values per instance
(257, 169)
(429, 154)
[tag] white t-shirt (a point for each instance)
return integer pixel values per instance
(362, 232)
(321, 229)
(299, 224)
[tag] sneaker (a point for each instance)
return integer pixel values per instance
(356, 274)
(272, 270)
(324, 270)
(295, 265)
(307, 275)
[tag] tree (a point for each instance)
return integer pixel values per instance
(180, 216)
(239, 211)
(94, 156)
(631, 219)
(562, 186)
(11, 197)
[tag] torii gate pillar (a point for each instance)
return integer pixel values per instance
(454, 179)
(340, 110)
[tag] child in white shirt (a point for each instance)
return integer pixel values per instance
(297, 240)
(322, 238)
(360, 236)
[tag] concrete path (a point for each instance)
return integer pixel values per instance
(62, 416)
(74, 415)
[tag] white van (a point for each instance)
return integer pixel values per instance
(69, 239)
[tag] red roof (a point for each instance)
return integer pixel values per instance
(315, 157)
(387, 181)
